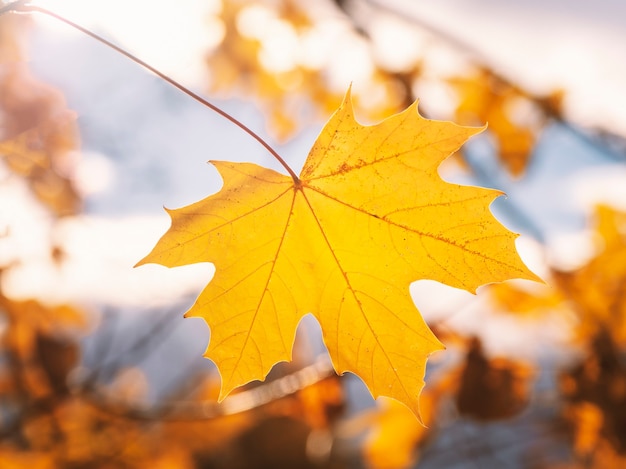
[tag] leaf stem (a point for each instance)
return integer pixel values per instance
(19, 6)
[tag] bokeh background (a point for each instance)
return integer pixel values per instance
(99, 369)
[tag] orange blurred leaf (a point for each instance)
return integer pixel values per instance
(511, 298)
(393, 442)
(38, 134)
(597, 290)
(595, 394)
(484, 98)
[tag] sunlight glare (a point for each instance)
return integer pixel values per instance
(171, 38)
(387, 34)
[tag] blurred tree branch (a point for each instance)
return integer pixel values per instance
(610, 144)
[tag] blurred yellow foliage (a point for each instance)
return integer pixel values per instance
(532, 301)
(38, 134)
(396, 434)
(269, 52)
(509, 113)
(595, 396)
(597, 290)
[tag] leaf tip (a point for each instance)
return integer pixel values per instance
(347, 100)
(147, 259)
(415, 106)
(348, 92)
(530, 275)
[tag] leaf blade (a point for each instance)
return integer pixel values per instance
(368, 216)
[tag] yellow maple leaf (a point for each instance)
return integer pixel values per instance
(367, 216)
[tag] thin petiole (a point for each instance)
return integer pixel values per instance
(21, 7)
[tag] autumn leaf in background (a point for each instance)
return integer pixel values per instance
(38, 134)
(368, 215)
(527, 301)
(285, 55)
(491, 389)
(594, 392)
(395, 436)
(514, 121)
(595, 388)
(597, 290)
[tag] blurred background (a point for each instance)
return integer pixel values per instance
(98, 368)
